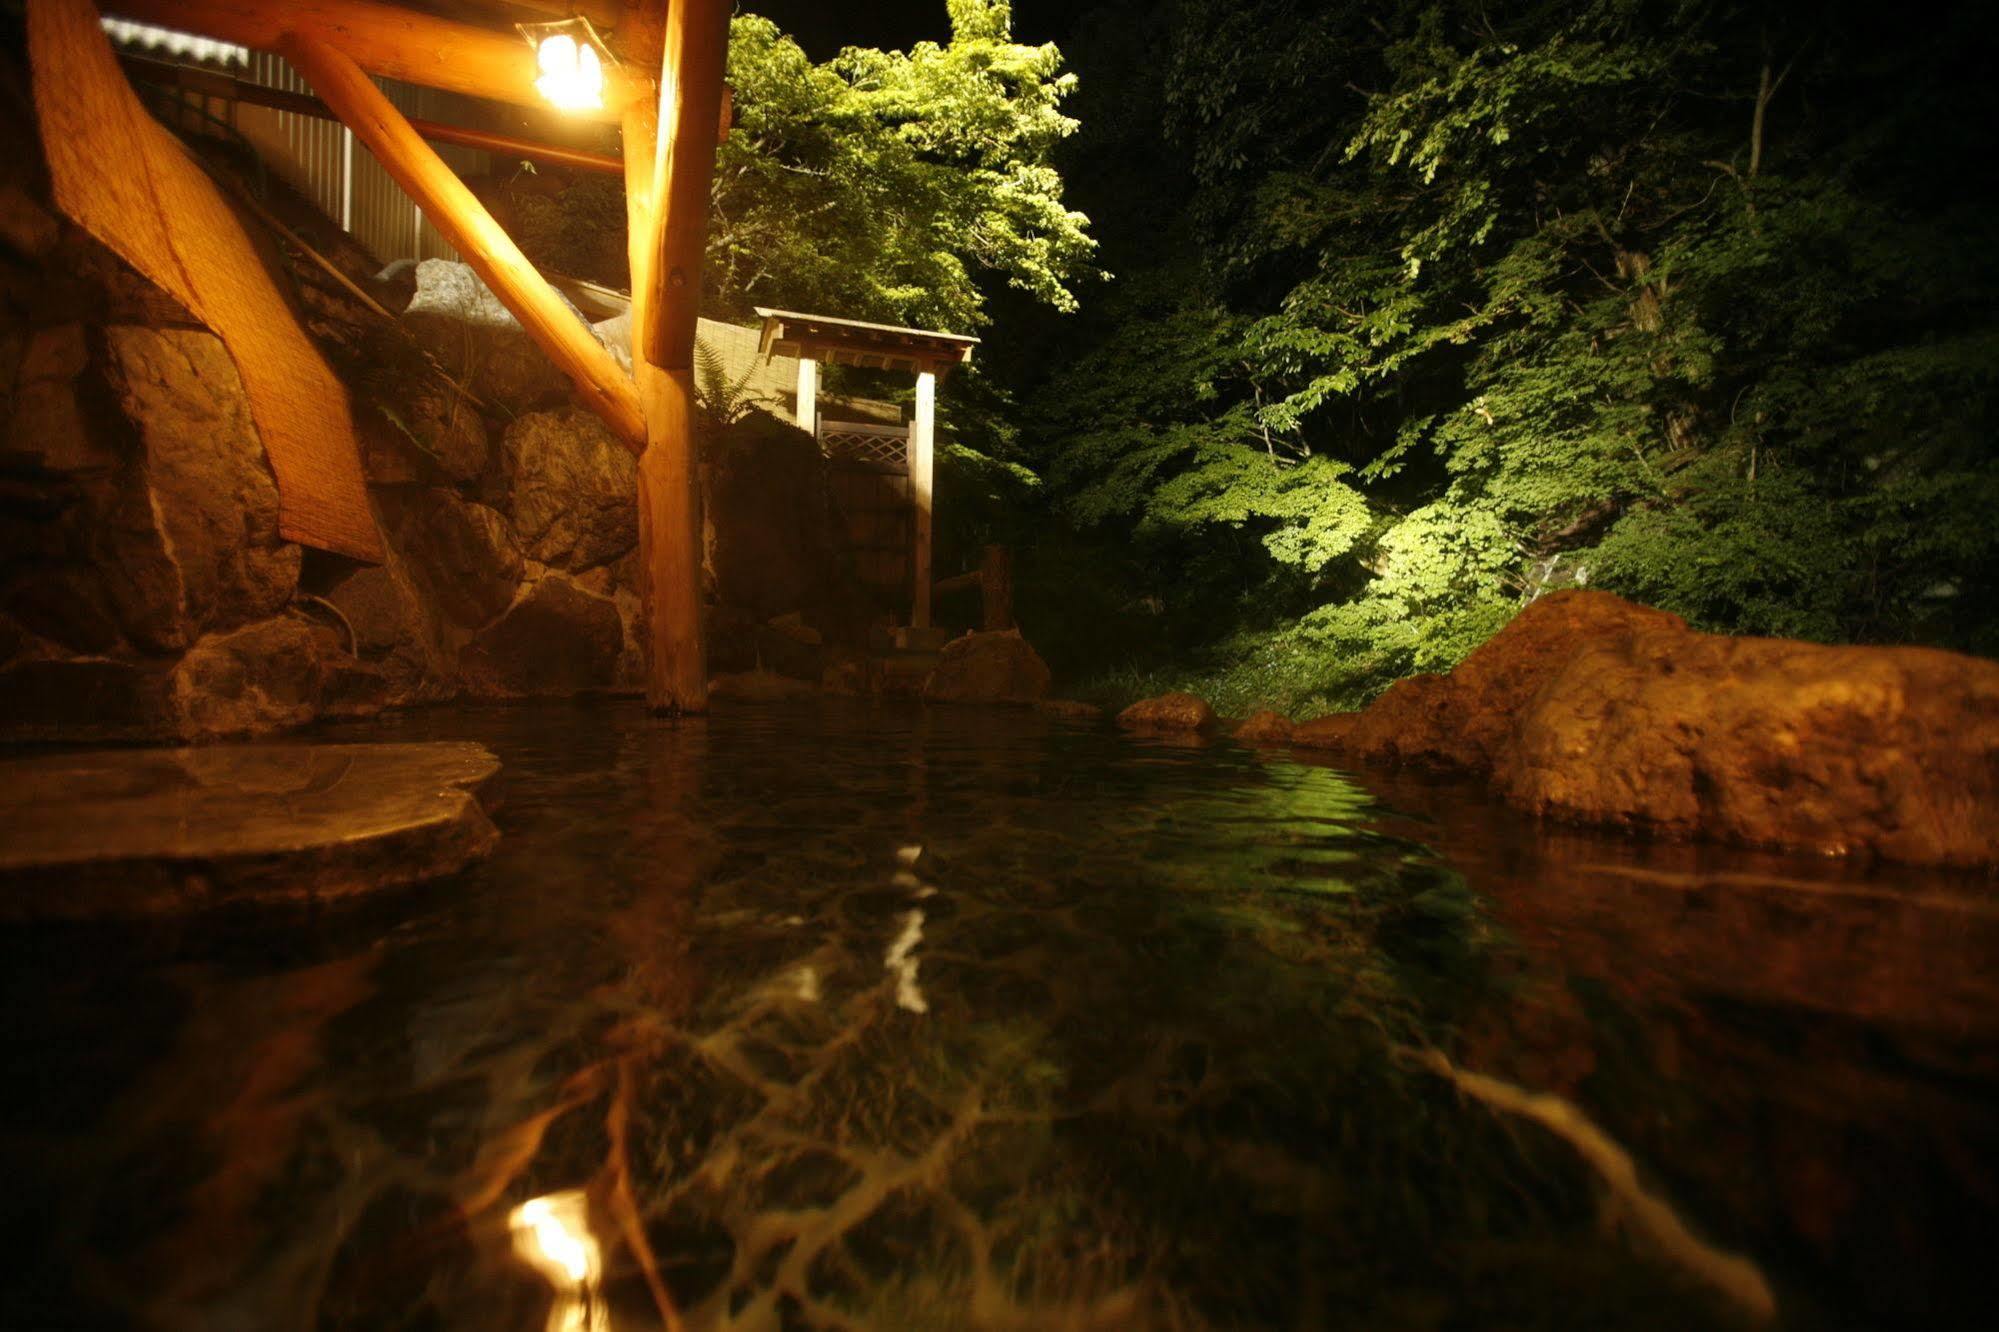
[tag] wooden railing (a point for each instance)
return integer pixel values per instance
(994, 579)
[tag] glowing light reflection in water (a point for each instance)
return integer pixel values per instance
(552, 1234)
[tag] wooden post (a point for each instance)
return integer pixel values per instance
(922, 449)
(471, 230)
(807, 411)
(996, 588)
(666, 255)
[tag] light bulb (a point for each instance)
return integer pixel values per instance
(572, 74)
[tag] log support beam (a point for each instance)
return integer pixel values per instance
(471, 230)
(669, 164)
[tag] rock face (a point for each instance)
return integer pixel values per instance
(1169, 712)
(262, 677)
(571, 489)
(461, 555)
(1589, 708)
(211, 489)
(478, 341)
(773, 539)
(993, 667)
(157, 832)
(159, 518)
(145, 591)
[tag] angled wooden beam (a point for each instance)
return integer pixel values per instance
(395, 43)
(471, 230)
(669, 165)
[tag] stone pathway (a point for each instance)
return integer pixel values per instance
(139, 832)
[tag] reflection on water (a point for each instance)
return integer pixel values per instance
(552, 1234)
(827, 1016)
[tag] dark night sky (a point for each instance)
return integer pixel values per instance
(824, 26)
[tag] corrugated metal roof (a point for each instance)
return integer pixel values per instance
(129, 36)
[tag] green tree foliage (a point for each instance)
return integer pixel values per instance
(1692, 301)
(888, 185)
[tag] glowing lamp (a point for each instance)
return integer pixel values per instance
(569, 60)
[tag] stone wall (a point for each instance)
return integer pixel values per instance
(144, 590)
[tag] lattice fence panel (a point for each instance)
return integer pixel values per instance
(879, 446)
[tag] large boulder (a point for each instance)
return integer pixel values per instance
(571, 489)
(477, 340)
(556, 639)
(211, 486)
(250, 680)
(153, 514)
(774, 544)
(1462, 722)
(1589, 708)
(391, 634)
(259, 678)
(998, 667)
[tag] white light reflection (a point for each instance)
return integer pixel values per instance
(901, 963)
(552, 1234)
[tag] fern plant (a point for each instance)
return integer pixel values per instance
(722, 400)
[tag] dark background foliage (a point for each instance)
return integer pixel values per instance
(1417, 308)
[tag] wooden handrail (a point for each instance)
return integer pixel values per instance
(994, 579)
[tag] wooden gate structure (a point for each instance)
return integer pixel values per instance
(661, 82)
(864, 461)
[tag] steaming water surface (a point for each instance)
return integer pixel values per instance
(828, 1015)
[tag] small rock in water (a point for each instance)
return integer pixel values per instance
(1168, 712)
(1264, 728)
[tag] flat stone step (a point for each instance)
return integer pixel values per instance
(136, 832)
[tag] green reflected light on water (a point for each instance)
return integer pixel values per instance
(1128, 1043)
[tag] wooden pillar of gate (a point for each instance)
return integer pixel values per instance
(922, 471)
(806, 414)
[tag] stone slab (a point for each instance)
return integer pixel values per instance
(134, 833)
